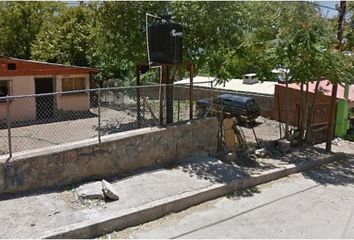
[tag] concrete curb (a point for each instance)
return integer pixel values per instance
(110, 219)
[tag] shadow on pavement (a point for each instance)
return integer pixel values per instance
(297, 154)
(336, 173)
(243, 193)
(213, 170)
(217, 171)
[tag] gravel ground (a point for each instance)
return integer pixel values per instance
(55, 133)
(49, 134)
(266, 130)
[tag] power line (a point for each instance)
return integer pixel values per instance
(323, 6)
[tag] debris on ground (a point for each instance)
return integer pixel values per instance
(339, 141)
(109, 191)
(231, 156)
(90, 191)
(99, 190)
(283, 145)
(262, 152)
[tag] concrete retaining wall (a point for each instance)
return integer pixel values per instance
(118, 153)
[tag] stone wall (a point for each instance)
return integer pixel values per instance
(118, 153)
(264, 101)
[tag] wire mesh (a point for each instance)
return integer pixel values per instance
(4, 143)
(129, 108)
(44, 120)
(50, 119)
(179, 102)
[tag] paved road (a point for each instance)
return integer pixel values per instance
(314, 204)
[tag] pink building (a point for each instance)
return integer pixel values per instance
(26, 77)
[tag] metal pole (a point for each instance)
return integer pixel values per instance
(255, 137)
(169, 94)
(178, 109)
(191, 73)
(99, 116)
(165, 104)
(8, 124)
(138, 117)
(161, 96)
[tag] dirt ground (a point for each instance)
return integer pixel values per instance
(265, 130)
(55, 133)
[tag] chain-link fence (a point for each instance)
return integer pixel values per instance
(41, 120)
(37, 121)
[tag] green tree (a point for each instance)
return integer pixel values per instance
(305, 45)
(228, 39)
(119, 36)
(20, 23)
(66, 38)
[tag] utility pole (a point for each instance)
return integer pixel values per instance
(332, 114)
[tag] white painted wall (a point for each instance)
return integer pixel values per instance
(25, 108)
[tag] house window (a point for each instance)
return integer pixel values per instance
(11, 66)
(71, 84)
(4, 88)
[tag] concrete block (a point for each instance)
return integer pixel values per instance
(109, 191)
(90, 191)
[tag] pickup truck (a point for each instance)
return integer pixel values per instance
(244, 109)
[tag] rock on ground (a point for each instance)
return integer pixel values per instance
(109, 191)
(90, 191)
(262, 152)
(283, 145)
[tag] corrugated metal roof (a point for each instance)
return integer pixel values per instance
(10, 67)
(325, 87)
(40, 62)
(266, 87)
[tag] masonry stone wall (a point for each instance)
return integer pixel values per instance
(116, 154)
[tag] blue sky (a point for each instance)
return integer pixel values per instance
(327, 8)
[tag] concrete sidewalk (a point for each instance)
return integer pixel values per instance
(143, 197)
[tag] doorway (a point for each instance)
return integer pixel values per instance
(44, 104)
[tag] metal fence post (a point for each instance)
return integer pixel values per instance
(191, 73)
(99, 115)
(178, 109)
(161, 103)
(8, 124)
(165, 104)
